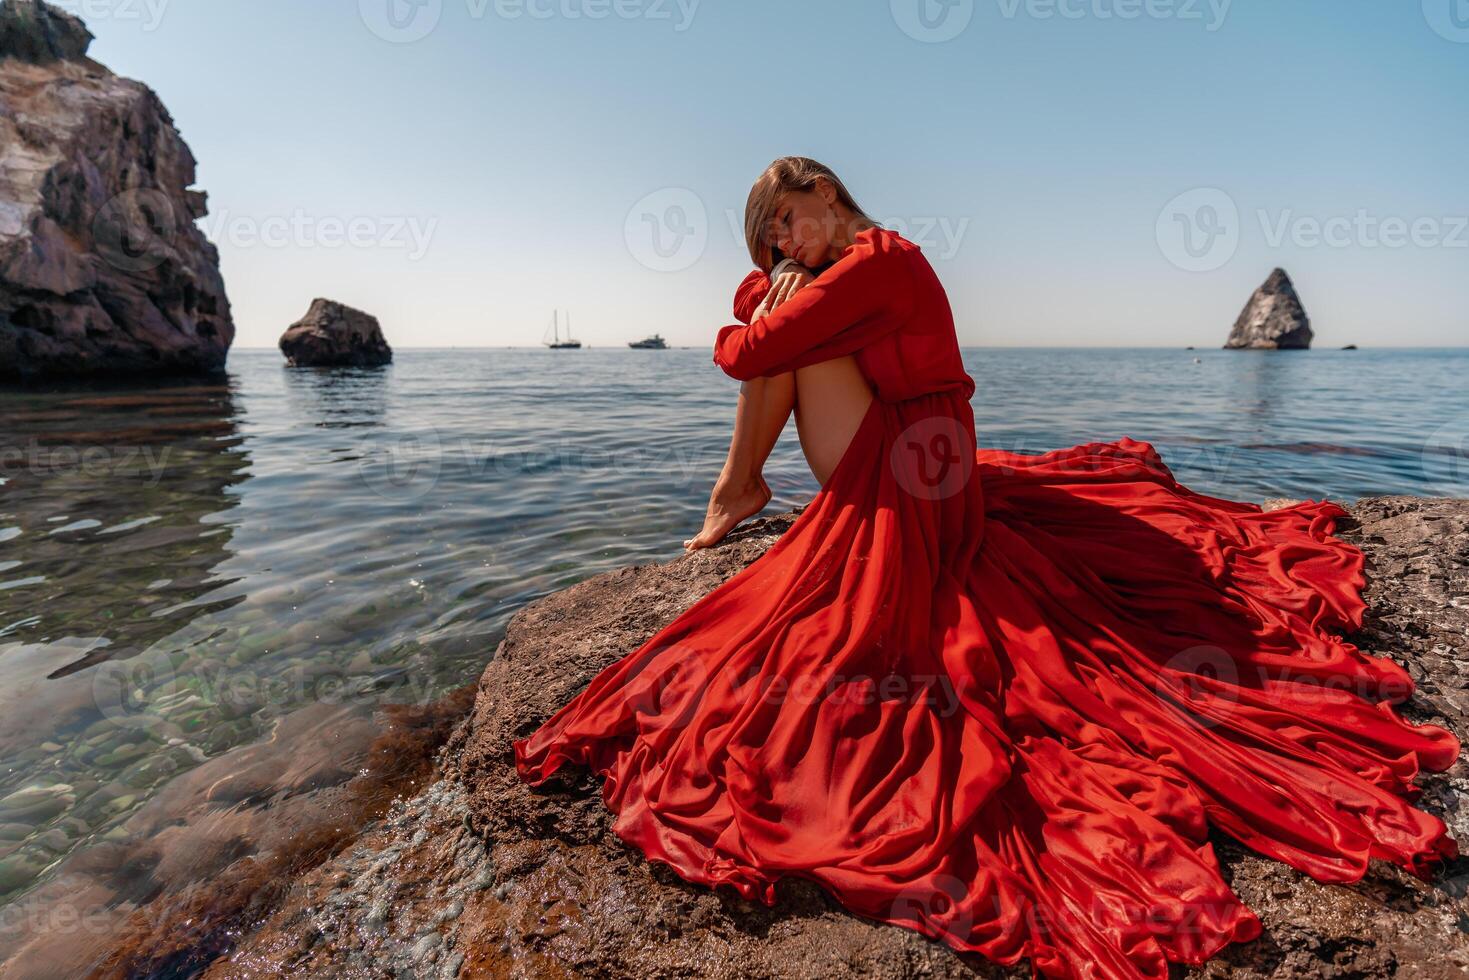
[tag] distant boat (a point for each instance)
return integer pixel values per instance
(654, 342)
(556, 343)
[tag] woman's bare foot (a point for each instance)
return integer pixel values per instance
(728, 505)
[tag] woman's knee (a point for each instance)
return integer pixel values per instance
(755, 387)
(841, 376)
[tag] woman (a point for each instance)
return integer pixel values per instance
(996, 698)
(829, 395)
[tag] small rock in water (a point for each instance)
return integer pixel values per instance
(332, 334)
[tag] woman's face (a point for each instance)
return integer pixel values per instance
(803, 226)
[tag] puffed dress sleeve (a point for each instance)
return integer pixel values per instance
(749, 293)
(864, 295)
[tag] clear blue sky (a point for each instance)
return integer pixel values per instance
(502, 163)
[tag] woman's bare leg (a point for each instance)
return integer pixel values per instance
(740, 491)
(829, 399)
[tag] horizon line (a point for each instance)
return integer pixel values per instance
(961, 347)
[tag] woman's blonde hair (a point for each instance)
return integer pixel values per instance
(785, 174)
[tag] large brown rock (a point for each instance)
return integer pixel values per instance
(483, 876)
(1273, 319)
(335, 335)
(102, 269)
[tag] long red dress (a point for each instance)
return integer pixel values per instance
(998, 698)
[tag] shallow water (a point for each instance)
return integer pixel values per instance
(182, 565)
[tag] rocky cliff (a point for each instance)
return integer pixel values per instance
(102, 269)
(1273, 319)
(480, 875)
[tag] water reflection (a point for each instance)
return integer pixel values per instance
(115, 508)
(338, 398)
(114, 504)
(1261, 375)
(112, 507)
(187, 696)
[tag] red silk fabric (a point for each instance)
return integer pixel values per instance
(1000, 698)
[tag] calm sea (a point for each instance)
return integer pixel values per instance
(181, 565)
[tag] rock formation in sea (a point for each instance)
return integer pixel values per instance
(332, 334)
(1273, 319)
(102, 268)
(481, 875)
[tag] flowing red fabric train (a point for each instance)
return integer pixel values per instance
(1000, 698)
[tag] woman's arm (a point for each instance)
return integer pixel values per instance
(864, 295)
(759, 291)
(749, 294)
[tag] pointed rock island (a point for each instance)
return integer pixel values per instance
(1273, 319)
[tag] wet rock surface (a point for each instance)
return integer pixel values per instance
(481, 875)
(218, 846)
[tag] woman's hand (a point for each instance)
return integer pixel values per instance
(784, 287)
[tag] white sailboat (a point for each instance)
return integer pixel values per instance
(556, 343)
